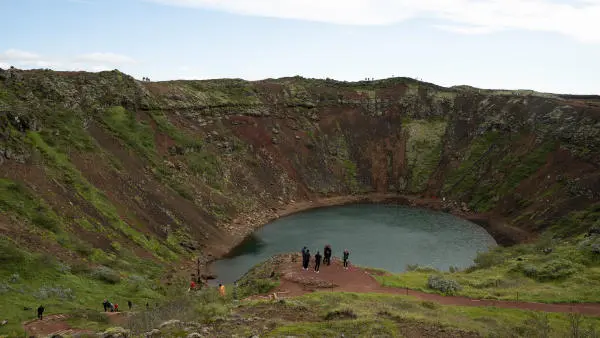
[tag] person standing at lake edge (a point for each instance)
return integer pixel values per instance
(327, 255)
(306, 259)
(346, 255)
(317, 261)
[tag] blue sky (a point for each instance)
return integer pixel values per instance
(546, 45)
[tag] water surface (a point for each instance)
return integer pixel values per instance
(381, 236)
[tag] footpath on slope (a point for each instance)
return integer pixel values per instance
(56, 324)
(296, 282)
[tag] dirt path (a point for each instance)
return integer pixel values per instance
(51, 325)
(57, 325)
(296, 282)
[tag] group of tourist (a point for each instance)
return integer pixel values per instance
(114, 307)
(194, 287)
(326, 258)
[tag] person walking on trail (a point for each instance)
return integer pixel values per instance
(327, 255)
(222, 290)
(116, 307)
(105, 304)
(40, 311)
(306, 259)
(317, 261)
(192, 286)
(346, 255)
(129, 304)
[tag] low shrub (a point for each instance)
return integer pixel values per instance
(551, 270)
(14, 278)
(420, 268)
(45, 292)
(489, 259)
(340, 314)
(256, 287)
(439, 283)
(106, 274)
(429, 305)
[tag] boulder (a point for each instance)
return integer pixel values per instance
(171, 323)
(153, 333)
(194, 335)
(115, 332)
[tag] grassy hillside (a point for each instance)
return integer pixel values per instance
(103, 177)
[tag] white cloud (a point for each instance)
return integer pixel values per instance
(468, 29)
(18, 55)
(90, 62)
(578, 19)
(101, 58)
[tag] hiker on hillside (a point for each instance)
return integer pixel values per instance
(116, 307)
(346, 255)
(40, 311)
(306, 259)
(129, 304)
(327, 254)
(222, 290)
(192, 285)
(317, 261)
(105, 304)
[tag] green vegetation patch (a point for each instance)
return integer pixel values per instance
(423, 150)
(61, 167)
(15, 198)
(549, 271)
(28, 280)
(136, 134)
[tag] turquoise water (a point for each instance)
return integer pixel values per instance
(380, 236)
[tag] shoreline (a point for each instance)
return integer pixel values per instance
(244, 225)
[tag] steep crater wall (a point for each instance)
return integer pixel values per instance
(186, 168)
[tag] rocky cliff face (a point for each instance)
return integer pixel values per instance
(107, 162)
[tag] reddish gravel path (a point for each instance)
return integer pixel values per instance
(51, 325)
(57, 325)
(295, 282)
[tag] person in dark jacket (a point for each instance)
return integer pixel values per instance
(40, 311)
(129, 304)
(304, 256)
(327, 255)
(346, 255)
(306, 259)
(105, 305)
(317, 261)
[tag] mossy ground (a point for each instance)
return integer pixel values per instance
(423, 150)
(570, 273)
